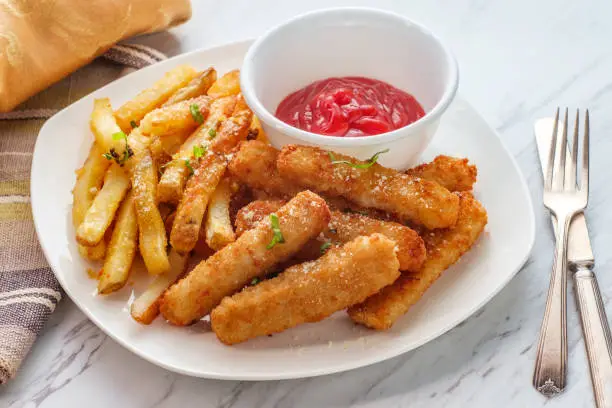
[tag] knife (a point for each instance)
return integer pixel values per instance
(581, 261)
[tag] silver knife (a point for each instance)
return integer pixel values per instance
(580, 259)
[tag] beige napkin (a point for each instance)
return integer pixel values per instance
(42, 41)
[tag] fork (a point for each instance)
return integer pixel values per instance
(564, 200)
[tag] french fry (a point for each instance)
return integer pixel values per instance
(146, 306)
(190, 212)
(175, 174)
(121, 249)
(105, 129)
(88, 183)
(152, 234)
(218, 227)
(196, 87)
(135, 109)
(234, 130)
(102, 210)
(181, 117)
(228, 84)
(256, 131)
(168, 145)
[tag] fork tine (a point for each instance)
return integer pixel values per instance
(584, 184)
(559, 169)
(570, 181)
(551, 154)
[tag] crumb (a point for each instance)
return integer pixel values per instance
(93, 274)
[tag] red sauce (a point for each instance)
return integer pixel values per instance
(349, 106)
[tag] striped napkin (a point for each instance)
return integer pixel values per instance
(28, 289)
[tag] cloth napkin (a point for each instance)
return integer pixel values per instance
(29, 292)
(42, 41)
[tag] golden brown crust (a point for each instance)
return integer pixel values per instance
(152, 240)
(444, 248)
(231, 268)
(254, 164)
(343, 228)
(191, 210)
(413, 199)
(454, 173)
(308, 292)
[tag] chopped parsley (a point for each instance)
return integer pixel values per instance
(199, 151)
(212, 132)
(325, 247)
(196, 114)
(278, 235)
(133, 124)
(188, 165)
(255, 281)
(369, 163)
(127, 152)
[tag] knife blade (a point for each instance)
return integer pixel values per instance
(579, 251)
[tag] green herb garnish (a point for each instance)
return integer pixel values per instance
(199, 151)
(278, 235)
(133, 124)
(369, 163)
(325, 247)
(255, 281)
(127, 152)
(212, 132)
(188, 165)
(196, 114)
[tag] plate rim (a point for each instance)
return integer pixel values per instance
(380, 356)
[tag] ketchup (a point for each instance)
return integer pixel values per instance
(349, 106)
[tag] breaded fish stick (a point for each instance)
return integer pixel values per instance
(250, 256)
(444, 248)
(343, 228)
(308, 292)
(411, 198)
(254, 164)
(453, 173)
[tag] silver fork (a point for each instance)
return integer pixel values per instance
(564, 200)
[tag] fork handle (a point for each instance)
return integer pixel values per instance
(596, 334)
(551, 359)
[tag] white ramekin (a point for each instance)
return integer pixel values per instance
(351, 42)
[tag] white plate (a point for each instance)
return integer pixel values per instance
(335, 344)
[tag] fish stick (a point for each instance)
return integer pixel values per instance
(250, 256)
(444, 248)
(308, 292)
(343, 228)
(254, 164)
(413, 199)
(453, 173)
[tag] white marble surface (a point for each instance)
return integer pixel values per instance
(518, 59)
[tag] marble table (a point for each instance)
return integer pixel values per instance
(519, 60)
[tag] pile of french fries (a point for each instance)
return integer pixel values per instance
(285, 237)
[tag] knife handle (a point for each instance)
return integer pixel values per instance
(596, 334)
